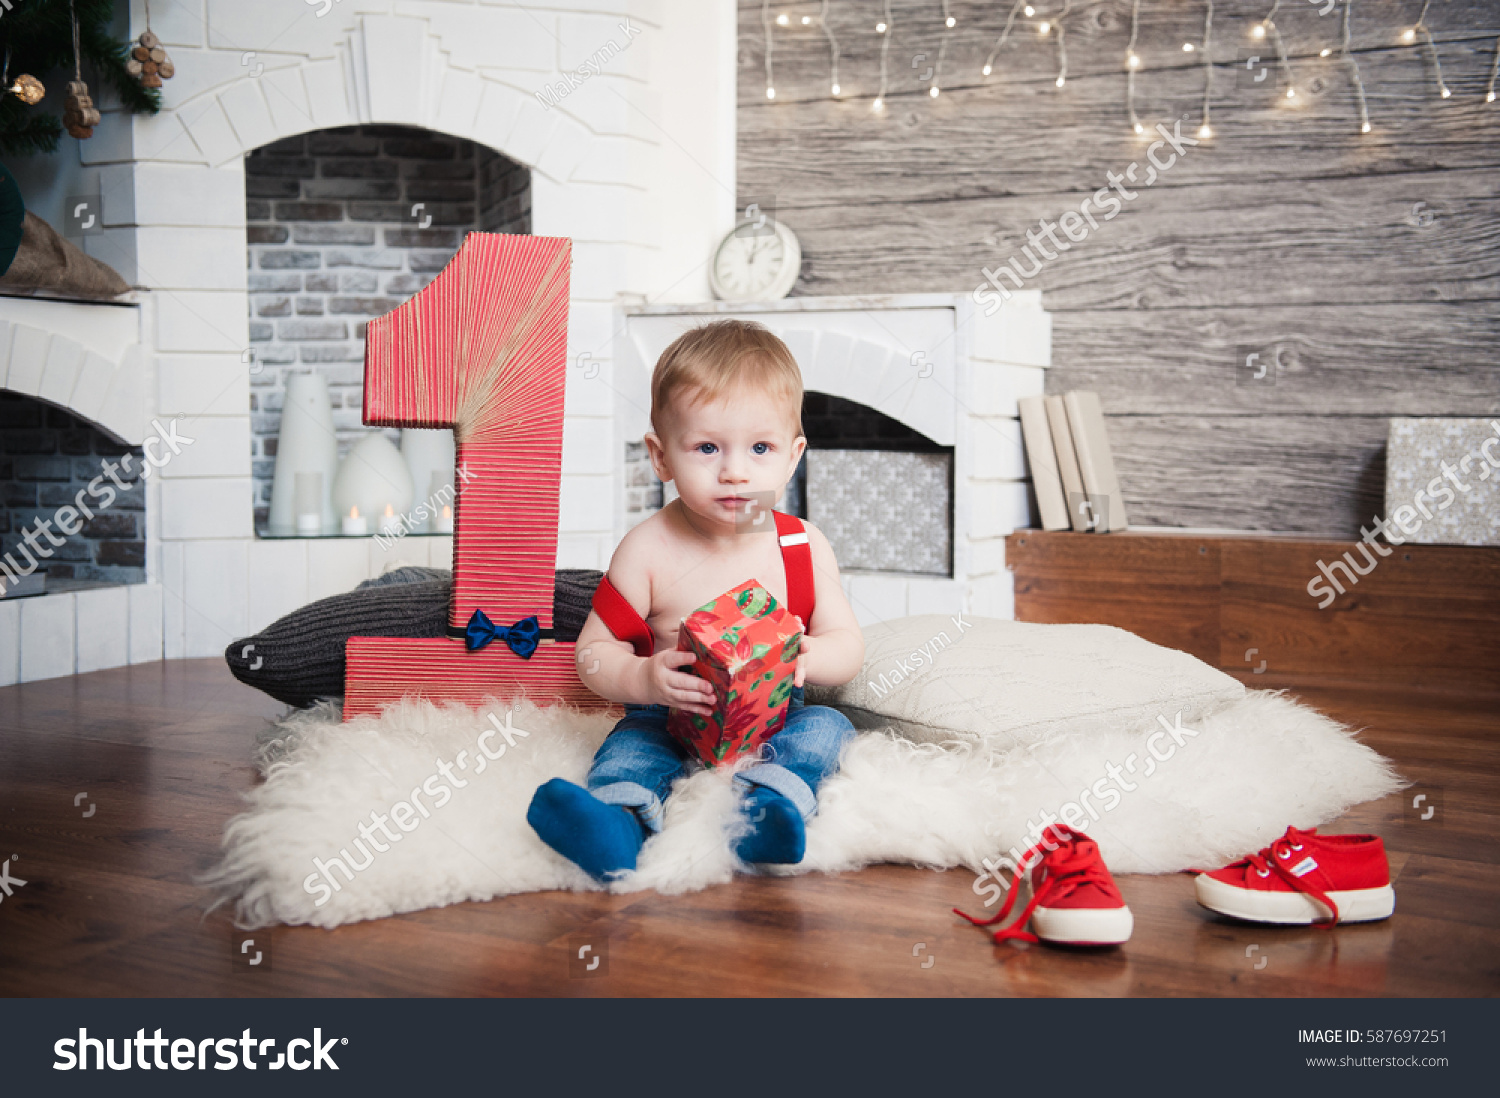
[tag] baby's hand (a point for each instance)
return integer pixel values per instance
(665, 685)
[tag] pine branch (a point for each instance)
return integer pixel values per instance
(39, 36)
(27, 135)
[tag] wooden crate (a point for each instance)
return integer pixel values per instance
(1424, 615)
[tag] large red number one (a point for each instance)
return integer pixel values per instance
(483, 350)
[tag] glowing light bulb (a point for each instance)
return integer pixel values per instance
(1446, 93)
(1324, 52)
(878, 105)
(770, 93)
(1133, 61)
(1489, 97)
(933, 91)
(835, 89)
(1061, 80)
(1204, 131)
(1030, 11)
(951, 21)
(781, 20)
(986, 70)
(1408, 34)
(879, 28)
(806, 19)
(1291, 93)
(1187, 47)
(1044, 27)
(1258, 31)
(1365, 128)
(1139, 128)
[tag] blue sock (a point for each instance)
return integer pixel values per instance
(601, 839)
(777, 833)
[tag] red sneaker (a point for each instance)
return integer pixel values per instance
(1074, 900)
(1304, 877)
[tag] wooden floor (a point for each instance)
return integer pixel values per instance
(162, 752)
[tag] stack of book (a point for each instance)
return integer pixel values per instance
(1071, 466)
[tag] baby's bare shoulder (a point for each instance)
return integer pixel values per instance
(644, 550)
(822, 551)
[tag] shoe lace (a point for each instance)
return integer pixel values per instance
(1273, 859)
(1071, 864)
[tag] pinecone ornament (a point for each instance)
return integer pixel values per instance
(149, 63)
(79, 115)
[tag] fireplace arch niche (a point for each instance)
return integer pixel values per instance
(343, 225)
(614, 163)
(903, 391)
(81, 591)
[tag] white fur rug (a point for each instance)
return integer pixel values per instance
(1232, 782)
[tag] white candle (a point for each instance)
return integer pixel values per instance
(354, 524)
(444, 522)
(309, 504)
(390, 522)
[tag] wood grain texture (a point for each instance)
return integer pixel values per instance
(1339, 360)
(1371, 260)
(110, 907)
(1424, 615)
(1220, 245)
(1285, 474)
(1166, 589)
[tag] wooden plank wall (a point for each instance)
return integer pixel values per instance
(1369, 261)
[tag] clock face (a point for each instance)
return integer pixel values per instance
(756, 263)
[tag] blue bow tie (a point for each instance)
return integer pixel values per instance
(521, 637)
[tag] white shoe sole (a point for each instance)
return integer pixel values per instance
(1356, 905)
(1083, 925)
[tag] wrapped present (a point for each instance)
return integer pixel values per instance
(746, 646)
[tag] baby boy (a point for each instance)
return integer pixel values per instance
(726, 403)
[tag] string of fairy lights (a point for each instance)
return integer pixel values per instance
(1422, 29)
(1022, 14)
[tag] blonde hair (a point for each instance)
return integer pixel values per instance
(709, 362)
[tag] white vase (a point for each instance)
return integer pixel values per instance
(429, 459)
(307, 445)
(374, 478)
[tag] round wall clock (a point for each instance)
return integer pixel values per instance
(758, 261)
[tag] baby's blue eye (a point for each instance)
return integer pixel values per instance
(707, 448)
(760, 448)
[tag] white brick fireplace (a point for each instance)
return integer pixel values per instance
(932, 362)
(635, 164)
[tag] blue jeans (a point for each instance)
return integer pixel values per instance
(639, 760)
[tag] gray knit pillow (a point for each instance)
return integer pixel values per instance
(300, 658)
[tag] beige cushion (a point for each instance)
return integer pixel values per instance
(936, 678)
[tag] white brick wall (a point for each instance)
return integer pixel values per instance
(46, 636)
(617, 159)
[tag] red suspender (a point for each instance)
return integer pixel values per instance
(796, 558)
(620, 617)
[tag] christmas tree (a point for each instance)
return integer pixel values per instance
(36, 37)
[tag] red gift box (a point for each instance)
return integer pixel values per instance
(747, 648)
